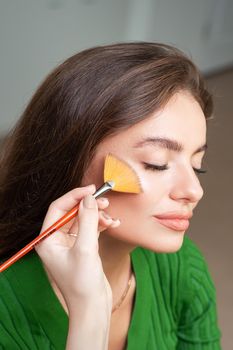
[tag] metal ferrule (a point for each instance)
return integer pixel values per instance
(107, 186)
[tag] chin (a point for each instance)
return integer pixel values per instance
(161, 241)
(166, 244)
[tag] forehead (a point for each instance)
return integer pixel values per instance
(182, 119)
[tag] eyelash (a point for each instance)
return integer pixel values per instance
(154, 167)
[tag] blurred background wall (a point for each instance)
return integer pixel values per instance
(35, 36)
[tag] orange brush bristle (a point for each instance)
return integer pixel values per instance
(121, 173)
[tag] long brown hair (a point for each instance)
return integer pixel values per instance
(93, 94)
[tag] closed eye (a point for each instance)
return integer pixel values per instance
(200, 171)
(155, 167)
(149, 166)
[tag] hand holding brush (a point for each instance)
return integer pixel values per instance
(118, 176)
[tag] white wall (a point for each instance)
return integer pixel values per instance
(37, 35)
(203, 28)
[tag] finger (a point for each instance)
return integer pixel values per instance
(115, 223)
(71, 198)
(105, 223)
(62, 205)
(104, 218)
(102, 202)
(87, 239)
(56, 210)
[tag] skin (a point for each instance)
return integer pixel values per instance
(175, 189)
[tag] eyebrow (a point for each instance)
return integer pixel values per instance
(169, 144)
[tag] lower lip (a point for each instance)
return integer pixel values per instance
(174, 224)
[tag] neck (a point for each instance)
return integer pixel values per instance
(115, 257)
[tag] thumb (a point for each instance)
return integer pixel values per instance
(88, 218)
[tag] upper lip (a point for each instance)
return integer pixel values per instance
(175, 215)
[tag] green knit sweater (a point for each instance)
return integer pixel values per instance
(174, 306)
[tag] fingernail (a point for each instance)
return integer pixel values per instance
(92, 187)
(89, 202)
(106, 215)
(104, 200)
(116, 223)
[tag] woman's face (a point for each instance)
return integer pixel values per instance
(175, 190)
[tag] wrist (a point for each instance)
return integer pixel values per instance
(90, 314)
(91, 331)
(86, 309)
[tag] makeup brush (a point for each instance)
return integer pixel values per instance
(118, 176)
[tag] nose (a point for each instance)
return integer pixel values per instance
(186, 186)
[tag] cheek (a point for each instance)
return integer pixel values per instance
(94, 175)
(132, 209)
(125, 205)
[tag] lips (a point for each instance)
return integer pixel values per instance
(174, 221)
